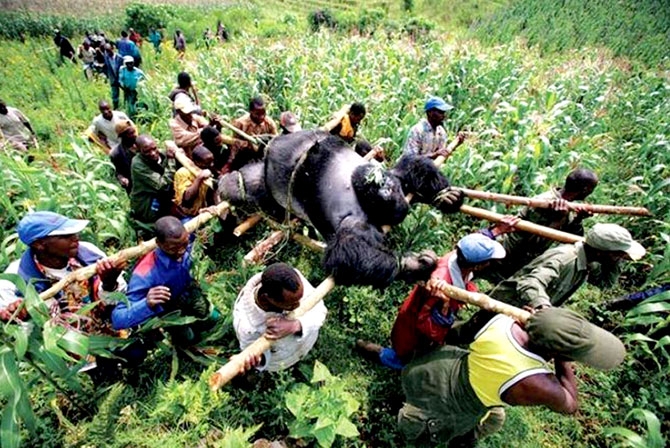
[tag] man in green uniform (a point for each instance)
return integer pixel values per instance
(449, 392)
(152, 176)
(522, 247)
(551, 278)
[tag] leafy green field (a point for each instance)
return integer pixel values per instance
(533, 117)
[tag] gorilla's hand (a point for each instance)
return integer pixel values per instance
(449, 200)
(415, 267)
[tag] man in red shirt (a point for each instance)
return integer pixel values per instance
(424, 319)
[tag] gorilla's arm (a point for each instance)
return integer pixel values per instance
(356, 255)
(420, 176)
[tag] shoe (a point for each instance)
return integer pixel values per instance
(368, 350)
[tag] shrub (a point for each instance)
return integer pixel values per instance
(141, 16)
(320, 18)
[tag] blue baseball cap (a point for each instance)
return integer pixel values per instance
(477, 248)
(437, 103)
(37, 225)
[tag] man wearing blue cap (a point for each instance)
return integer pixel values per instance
(54, 250)
(424, 319)
(428, 137)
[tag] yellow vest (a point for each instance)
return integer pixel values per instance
(346, 131)
(497, 362)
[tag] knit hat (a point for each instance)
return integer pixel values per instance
(613, 238)
(567, 334)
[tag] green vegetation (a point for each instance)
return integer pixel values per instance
(533, 119)
(639, 30)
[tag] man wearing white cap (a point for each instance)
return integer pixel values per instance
(54, 250)
(550, 279)
(186, 125)
(129, 78)
(428, 137)
(424, 319)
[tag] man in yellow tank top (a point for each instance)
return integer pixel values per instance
(449, 392)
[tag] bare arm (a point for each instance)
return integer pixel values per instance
(557, 392)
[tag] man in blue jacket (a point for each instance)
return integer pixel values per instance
(161, 282)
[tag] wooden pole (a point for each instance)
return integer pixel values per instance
(235, 365)
(446, 291)
(239, 132)
(260, 249)
(126, 254)
(247, 224)
(337, 118)
(187, 163)
(543, 203)
(527, 226)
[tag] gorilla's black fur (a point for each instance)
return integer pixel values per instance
(347, 199)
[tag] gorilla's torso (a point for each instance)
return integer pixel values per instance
(321, 191)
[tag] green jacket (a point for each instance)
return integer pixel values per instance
(553, 277)
(522, 247)
(152, 188)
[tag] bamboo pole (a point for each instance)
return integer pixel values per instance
(127, 254)
(247, 224)
(337, 118)
(239, 132)
(445, 291)
(187, 163)
(260, 249)
(235, 365)
(306, 241)
(543, 203)
(527, 226)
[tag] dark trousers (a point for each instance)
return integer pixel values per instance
(115, 94)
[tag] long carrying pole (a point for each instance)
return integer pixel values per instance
(543, 203)
(446, 291)
(235, 365)
(127, 254)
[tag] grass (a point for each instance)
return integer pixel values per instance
(534, 119)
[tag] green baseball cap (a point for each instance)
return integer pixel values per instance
(612, 237)
(567, 334)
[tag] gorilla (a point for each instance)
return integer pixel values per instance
(320, 179)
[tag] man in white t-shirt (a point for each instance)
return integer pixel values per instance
(15, 129)
(261, 309)
(103, 129)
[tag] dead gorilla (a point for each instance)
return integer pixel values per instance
(322, 181)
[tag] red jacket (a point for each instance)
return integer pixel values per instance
(415, 332)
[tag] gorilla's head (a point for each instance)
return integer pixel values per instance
(380, 194)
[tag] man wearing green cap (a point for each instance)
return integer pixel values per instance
(449, 391)
(551, 278)
(428, 137)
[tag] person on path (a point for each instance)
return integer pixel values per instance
(180, 44)
(87, 55)
(156, 39)
(65, 48)
(103, 128)
(15, 129)
(129, 78)
(113, 64)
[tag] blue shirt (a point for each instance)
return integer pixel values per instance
(155, 269)
(130, 78)
(127, 47)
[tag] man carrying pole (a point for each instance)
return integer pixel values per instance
(522, 247)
